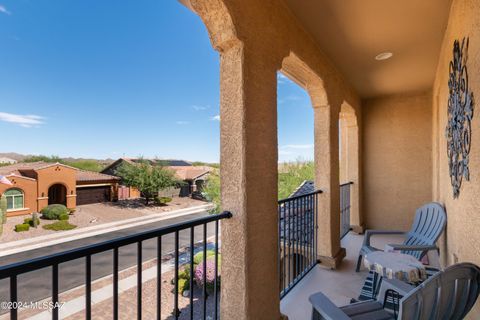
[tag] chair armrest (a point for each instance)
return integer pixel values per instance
(413, 247)
(401, 287)
(370, 233)
(326, 308)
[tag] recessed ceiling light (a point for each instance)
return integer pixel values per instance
(383, 56)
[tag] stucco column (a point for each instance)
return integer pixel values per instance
(326, 119)
(353, 175)
(250, 279)
(343, 150)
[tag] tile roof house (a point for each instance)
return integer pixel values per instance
(38, 184)
(295, 213)
(194, 176)
(4, 160)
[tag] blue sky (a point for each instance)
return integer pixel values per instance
(105, 79)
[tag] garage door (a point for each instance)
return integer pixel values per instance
(93, 195)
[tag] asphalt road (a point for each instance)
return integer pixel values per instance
(36, 285)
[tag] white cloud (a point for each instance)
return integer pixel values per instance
(182, 122)
(26, 121)
(297, 146)
(4, 10)
(284, 153)
(281, 79)
(200, 108)
(215, 118)
(293, 98)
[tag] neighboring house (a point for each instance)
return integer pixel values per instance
(305, 187)
(38, 184)
(4, 160)
(193, 176)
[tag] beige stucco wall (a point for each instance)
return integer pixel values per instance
(462, 236)
(396, 158)
(255, 40)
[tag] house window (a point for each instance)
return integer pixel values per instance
(14, 199)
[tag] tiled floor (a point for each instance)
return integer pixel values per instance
(339, 285)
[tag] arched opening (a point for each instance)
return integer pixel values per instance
(348, 136)
(57, 194)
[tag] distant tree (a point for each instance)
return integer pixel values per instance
(52, 159)
(148, 179)
(211, 189)
(201, 163)
(89, 165)
(292, 174)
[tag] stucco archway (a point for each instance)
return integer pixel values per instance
(326, 106)
(57, 194)
(349, 161)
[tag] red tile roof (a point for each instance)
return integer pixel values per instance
(189, 172)
(82, 175)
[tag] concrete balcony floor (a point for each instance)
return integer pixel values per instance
(339, 285)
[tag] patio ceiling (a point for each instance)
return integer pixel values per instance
(353, 32)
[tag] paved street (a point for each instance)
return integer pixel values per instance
(36, 285)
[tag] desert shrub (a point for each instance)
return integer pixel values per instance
(72, 211)
(29, 221)
(198, 258)
(64, 216)
(183, 284)
(210, 274)
(22, 227)
(54, 211)
(160, 201)
(59, 226)
(185, 273)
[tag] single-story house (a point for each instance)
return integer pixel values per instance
(39, 184)
(5, 160)
(193, 176)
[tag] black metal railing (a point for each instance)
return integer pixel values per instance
(12, 271)
(298, 238)
(345, 209)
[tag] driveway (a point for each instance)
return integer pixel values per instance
(36, 285)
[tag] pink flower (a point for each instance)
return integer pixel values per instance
(210, 276)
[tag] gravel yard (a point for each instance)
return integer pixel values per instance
(95, 214)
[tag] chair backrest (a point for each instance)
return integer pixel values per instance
(448, 295)
(427, 227)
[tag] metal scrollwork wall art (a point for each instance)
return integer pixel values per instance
(460, 114)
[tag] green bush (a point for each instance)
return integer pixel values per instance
(160, 201)
(29, 221)
(183, 284)
(198, 258)
(54, 211)
(185, 273)
(211, 191)
(59, 225)
(22, 227)
(63, 216)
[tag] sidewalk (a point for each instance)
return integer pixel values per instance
(102, 291)
(13, 247)
(35, 285)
